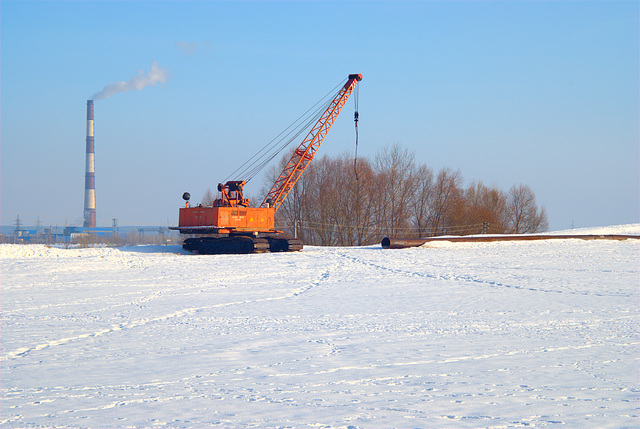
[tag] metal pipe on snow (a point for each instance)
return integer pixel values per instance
(403, 243)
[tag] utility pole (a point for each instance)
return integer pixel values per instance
(16, 232)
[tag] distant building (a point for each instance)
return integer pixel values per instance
(72, 233)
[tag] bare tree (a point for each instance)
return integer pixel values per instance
(332, 206)
(422, 198)
(208, 198)
(357, 202)
(323, 199)
(365, 197)
(495, 202)
(523, 215)
(447, 188)
(395, 169)
(482, 209)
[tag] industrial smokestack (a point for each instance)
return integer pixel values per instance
(90, 176)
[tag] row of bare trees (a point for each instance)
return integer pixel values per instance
(339, 203)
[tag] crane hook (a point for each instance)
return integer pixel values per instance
(356, 117)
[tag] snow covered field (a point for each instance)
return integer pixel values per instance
(507, 334)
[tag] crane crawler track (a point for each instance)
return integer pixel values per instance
(240, 245)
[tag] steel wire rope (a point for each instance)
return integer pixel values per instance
(356, 117)
(272, 149)
(272, 146)
(312, 120)
(256, 167)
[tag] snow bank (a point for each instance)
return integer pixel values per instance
(629, 229)
(17, 251)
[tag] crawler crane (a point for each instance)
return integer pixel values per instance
(229, 225)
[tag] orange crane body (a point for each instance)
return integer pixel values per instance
(225, 220)
(230, 214)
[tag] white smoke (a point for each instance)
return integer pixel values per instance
(156, 75)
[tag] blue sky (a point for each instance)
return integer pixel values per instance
(541, 93)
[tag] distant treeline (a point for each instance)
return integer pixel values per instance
(394, 196)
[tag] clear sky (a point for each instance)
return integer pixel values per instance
(543, 93)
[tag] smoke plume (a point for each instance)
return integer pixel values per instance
(156, 75)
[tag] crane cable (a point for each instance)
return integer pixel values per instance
(259, 160)
(355, 120)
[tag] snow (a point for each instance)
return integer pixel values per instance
(505, 334)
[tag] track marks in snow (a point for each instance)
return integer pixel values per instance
(140, 322)
(454, 359)
(431, 271)
(325, 337)
(113, 328)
